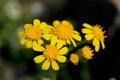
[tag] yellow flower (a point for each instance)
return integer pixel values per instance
(32, 34)
(51, 54)
(74, 58)
(95, 33)
(86, 52)
(63, 33)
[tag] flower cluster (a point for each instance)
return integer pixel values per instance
(55, 42)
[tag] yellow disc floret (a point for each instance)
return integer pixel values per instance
(63, 31)
(74, 58)
(51, 52)
(98, 33)
(87, 53)
(33, 33)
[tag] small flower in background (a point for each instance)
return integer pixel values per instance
(32, 35)
(74, 58)
(95, 33)
(64, 33)
(52, 53)
(86, 52)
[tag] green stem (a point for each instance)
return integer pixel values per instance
(54, 76)
(79, 44)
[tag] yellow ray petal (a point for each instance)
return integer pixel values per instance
(56, 23)
(64, 22)
(96, 43)
(23, 41)
(46, 65)
(89, 36)
(86, 30)
(77, 37)
(40, 41)
(60, 43)
(47, 30)
(37, 47)
(68, 41)
(28, 44)
(27, 26)
(73, 42)
(61, 58)
(103, 45)
(64, 50)
(87, 25)
(39, 59)
(42, 25)
(76, 32)
(55, 66)
(47, 36)
(21, 33)
(54, 40)
(36, 22)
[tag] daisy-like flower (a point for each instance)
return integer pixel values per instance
(63, 33)
(32, 34)
(74, 58)
(94, 33)
(51, 54)
(86, 52)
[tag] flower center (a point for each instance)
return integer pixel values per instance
(87, 52)
(63, 31)
(33, 33)
(51, 52)
(74, 58)
(98, 33)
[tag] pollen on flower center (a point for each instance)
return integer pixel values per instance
(63, 31)
(87, 52)
(98, 33)
(33, 33)
(51, 52)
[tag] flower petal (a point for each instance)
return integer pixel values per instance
(95, 41)
(54, 40)
(89, 36)
(47, 36)
(60, 43)
(86, 30)
(77, 37)
(73, 42)
(40, 41)
(46, 65)
(55, 66)
(42, 25)
(61, 58)
(21, 33)
(23, 41)
(28, 44)
(96, 44)
(68, 41)
(27, 26)
(39, 59)
(103, 45)
(56, 23)
(64, 22)
(36, 22)
(64, 50)
(76, 32)
(87, 25)
(37, 47)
